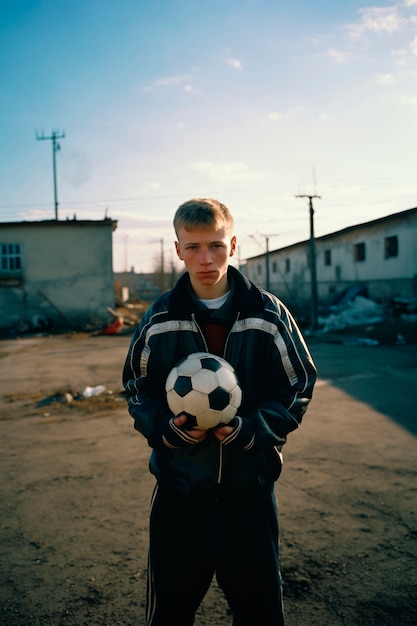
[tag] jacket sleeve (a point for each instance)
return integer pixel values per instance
(147, 399)
(290, 383)
(147, 407)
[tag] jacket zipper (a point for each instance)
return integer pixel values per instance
(220, 465)
(228, 336)
(200, 332)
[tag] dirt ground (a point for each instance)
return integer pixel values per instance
(75, 490)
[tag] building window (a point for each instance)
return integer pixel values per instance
(327, 257)
(274, 267)
(287, 265)
(10, 257)
(259, 270)
(359, 251)
(391, 246)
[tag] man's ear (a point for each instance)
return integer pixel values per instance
(178, 250)
(232, 245)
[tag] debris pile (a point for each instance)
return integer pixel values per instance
(358, 320)
(123, 320)
(90, 399)
(356, 312)
(405, 309)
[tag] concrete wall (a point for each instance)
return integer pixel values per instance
(385, 278)
(66, 275)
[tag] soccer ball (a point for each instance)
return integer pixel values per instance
(205, 387)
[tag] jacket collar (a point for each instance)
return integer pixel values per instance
(247, 298)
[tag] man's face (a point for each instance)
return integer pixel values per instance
(206, 253)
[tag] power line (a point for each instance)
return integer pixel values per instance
(267, 194)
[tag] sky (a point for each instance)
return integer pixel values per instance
(253, 102)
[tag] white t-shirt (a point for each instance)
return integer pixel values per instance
(215, 303)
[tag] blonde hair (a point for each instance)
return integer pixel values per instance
(204, 212)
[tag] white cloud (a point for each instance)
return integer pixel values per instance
(169, 81)
(151, 186)
(34, 215)
(234, 64)
(408, 99)
(226, 172)
(413, 46)
(385, 79)
(408, 74)
(410, 3)
(377, 20)
(275, 116)
(339, 56)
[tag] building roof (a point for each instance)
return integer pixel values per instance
(61, 223)
(347, 229)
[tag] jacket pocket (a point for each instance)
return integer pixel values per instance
(269, 466)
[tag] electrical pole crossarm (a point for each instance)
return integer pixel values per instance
(310, 199)
(56, 134)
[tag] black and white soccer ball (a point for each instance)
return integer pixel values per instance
(205, 387)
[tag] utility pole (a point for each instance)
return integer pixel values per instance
(56, 134)
(313, 273)
(126, 237)
(162, 267)
(267, 272)
(268, 280)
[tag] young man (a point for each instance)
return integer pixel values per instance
(213, 510)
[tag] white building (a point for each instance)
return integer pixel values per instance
(57, 272)
(380, 255)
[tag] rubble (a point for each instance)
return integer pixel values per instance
(356, 312)
(405, 309)
(89, 392)
(61, 398)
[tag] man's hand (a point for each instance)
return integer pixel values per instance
(222, 432)
(239, 433)
(196, 433)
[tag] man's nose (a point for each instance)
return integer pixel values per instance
(205, 257)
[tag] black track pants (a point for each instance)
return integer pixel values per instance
(191, 539)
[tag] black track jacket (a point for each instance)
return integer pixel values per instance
(274, 368)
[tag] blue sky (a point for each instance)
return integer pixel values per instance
(249, 101)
